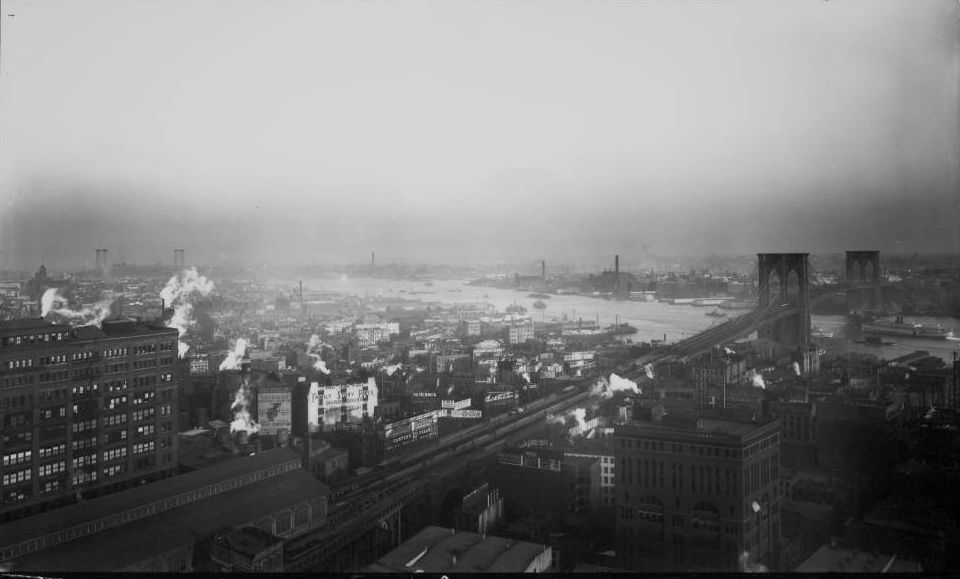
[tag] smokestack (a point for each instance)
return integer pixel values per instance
(301, 290)
(616, 264)
(373, 259)
(543, 269)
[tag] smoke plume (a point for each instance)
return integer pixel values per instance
(620, 384)
(580, 414)
(177, 294)
(242, 422)
(796, 368)
(756, 380)
(53, 303)
(314, 348)
(235, 357)
(648, 370)
(392, 369)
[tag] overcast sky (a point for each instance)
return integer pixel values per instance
(317, 131)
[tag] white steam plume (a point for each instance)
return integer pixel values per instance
(242, 422)
(581, 415)
(648, 370)
(526, 377)
(620, 384)
(53, 303)
(756, 380)
(796, 368)
(392, 369)
(235, 357)
(176, 294)
(314, 348)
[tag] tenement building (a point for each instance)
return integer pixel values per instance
(699, 494)
(85, 411)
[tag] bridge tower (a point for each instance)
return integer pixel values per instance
(792, 330)
(857, 262)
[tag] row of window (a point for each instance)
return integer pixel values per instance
(53, 412)
(15, 458)
(84, 443)
(20, 380)
(82, 477)
(84, 460)
(53, 359)
(53, 450)
(15, 477)
(144, 447)
(144, 349)
(85, 389)
(139, 415)
(45, 337)
(678, 448)
(116, 402)
(114, 453)
(18, 364)
(56, 376)
(52, 468)
(80, 356)
(84, 425)
(114, 419)
(141, 381)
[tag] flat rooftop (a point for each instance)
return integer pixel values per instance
(105, 506)
(437, 549)
(126, 545)
(829, 559)
(718, 428)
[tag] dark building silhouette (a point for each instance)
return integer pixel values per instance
(695, 495)
(85, 410)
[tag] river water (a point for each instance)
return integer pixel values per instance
(653, 320)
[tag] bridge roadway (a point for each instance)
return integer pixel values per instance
(735, 328)
(361, 505)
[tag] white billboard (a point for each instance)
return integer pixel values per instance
(341, 404)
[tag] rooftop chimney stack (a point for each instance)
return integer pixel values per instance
(616, 264)
(543, 269)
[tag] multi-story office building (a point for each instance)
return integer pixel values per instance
(84, 410)
(697, 495)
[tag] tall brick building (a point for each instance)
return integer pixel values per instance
(84, 411)
(697, 494)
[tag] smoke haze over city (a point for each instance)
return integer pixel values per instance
(301, 132)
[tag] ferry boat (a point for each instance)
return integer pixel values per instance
(717, 313)
(898, 327)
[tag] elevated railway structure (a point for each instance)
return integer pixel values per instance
(367, 514)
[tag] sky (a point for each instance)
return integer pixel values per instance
(314, 132)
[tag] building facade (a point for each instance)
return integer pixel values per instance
(703, 494)
(85, 410)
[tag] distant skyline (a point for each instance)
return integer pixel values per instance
(314, 132)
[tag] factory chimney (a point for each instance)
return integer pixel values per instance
(543, 268)
(373, 261)
(616, 264)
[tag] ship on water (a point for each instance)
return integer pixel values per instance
(898, 327)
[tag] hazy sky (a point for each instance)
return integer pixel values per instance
(317, 131)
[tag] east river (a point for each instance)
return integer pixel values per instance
(653, 320)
